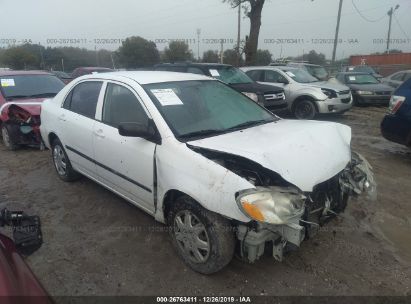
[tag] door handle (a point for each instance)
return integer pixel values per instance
(99, 133)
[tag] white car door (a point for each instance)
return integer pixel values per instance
(125, 164)
(76, 121)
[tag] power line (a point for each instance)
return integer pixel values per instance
(399, 25)
(365, 18)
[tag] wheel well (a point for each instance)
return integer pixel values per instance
(170, 197)
(52, 137)
(304, 97)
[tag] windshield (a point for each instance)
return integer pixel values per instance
(361, 79)
(317, 71)
(364, 69)
(230, 75)
(196, 109)
(25, 86)
(300, 76)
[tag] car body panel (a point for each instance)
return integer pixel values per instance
(315, 140)
(396, 126)
(294, 90)
(16, 278)
(396, 79)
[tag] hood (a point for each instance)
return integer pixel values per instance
(304, 153)
(329, 85)
(255, 87)
(33, 105)
(377, 87)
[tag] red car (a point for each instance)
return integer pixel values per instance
(18, 284)
(81, 71)
(21, 95)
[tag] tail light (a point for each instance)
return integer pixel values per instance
(395, 103)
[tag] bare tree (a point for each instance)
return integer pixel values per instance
(253, 9)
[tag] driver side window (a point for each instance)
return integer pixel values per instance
(122, 106)
(273, 76)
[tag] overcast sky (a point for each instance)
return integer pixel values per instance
(306, 24)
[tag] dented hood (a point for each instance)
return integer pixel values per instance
(304, 153)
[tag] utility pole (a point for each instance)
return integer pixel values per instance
(390, 13)
(222, 51)
(198, 44)
(239, 35)
(337, 29)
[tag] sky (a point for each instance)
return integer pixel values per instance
(289, 27)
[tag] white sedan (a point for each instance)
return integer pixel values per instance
(216, 167)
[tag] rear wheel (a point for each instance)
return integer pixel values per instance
(304, 109)
(62, 163)
(8, 136)
(203, 239)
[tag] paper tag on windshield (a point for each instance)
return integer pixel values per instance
(7, 83)
(214, 73)
(167, 97)
(350, 69)
(351, 78)
(291, 74)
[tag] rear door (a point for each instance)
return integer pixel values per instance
(76, 121)
(125, 164)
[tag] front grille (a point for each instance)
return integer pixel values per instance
(344, 92)
(383, 93)
(345, 100)
(274, 96)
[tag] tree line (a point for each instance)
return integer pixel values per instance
(134, 53)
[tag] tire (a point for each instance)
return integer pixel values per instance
(62, 163)
(304, 109)
(189, 222)
(8, 136)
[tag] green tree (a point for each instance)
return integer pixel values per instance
(177, 51)
(313, 57)
(137, 52)
(230, 57)
(211, 56)
(264, 57)
(18, 58)
(253, 9)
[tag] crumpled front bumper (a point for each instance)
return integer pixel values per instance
(356, 179)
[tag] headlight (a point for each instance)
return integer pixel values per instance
(365, 93)
(329, 93)
(252, 96)
(274, 205)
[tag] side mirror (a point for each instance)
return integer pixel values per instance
(147, 131)
(283, 81)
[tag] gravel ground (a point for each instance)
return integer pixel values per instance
(98, 244)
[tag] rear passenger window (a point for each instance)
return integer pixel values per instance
(255, 75)
(121, 105)
(398, 77)
(83, 98)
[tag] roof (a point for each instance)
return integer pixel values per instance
(353, 73)
(93, 68)
(200, 64)
(16, 73)
(270, 67)
(146, 77)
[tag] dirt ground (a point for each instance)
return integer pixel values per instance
(98, 244)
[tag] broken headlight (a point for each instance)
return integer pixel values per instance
(273, 205)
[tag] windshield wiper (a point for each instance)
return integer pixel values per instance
(201, 133)
(249, 124)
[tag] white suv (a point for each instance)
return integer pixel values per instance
(305, 94)
(203, 158)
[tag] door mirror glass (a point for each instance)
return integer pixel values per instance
(133, 129)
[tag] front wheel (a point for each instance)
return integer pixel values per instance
(62, 163)
(304, 109)
(203, 239)
(8, 137)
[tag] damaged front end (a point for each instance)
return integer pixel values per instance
(20, 127)
(283, 215)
